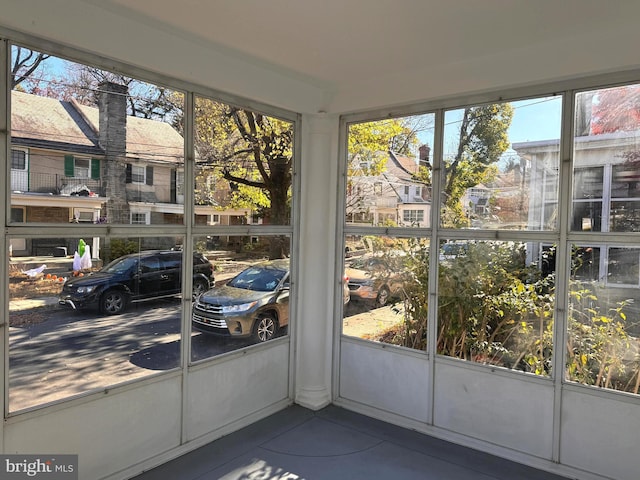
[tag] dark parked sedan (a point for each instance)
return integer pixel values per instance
(133, 278)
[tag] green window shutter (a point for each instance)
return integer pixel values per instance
(69, 166)
(149, 175)
(95, 169)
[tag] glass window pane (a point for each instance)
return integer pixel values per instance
(138, 174)
(244, 165)
(386, 299)
(389, 172)
(18, 160)
(606, 160)
(588, 185)
(625, 216)
(501, 165)
(82, 166)
(604, 324)
(585, 264)
(120, 316)
(623, 266)
(495, 304)
(93, 140)
(249, 302)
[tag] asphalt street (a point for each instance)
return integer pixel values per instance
(62, 352)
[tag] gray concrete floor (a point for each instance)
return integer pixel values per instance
(335, 444)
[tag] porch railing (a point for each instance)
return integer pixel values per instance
(55, 184)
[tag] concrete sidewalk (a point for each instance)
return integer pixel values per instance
(32, 303)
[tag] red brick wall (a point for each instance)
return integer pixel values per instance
(48, 214)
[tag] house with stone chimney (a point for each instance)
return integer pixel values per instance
(81, 164)
(394, 196)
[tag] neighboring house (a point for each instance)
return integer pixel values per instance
(393, 196)
(62, 157)
(476, 200)
(606, 198)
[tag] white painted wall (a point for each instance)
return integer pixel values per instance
(109, 433)
(385, 379)
(138, 426)
(601, 433)
(242, 384)
(504, 413)
(511, 410)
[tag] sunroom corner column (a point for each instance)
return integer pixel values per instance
(316, 265)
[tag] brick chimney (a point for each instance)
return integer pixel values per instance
(425, 150)
(112, 136)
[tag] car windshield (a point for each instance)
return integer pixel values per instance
(261, 279)
(120, 265)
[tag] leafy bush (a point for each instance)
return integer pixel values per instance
(117, 248)
(493, 308)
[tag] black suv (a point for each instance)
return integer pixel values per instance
(136, 277)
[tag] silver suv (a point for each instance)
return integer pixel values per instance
(255, 303)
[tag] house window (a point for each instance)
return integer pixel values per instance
(17, 214)
(82, 167)
(180, 182)
(19, 170)
(138, 174)
(624, 266)
(138, 218)
(588, 188)
(18, 159)
(413, 216)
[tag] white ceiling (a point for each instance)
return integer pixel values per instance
(344, 42)
(384, 52)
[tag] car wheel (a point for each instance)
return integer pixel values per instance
(264, 328)
(199, 287)
(383, 297)
(113, 302)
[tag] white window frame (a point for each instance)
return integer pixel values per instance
(413, 215)
(26, 159)
(147, 218)
(82, 172)
(135, 175)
